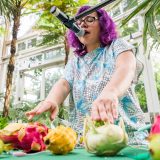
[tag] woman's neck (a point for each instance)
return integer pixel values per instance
(90, 48)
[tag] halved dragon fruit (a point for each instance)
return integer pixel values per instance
(28, 137)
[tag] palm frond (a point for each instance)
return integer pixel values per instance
(4, 7)
(48, 39)
(150, 23)
(9, 8)
(145, 33)
(2, 30)
(150, 9)
(143, 5)
(113, 5)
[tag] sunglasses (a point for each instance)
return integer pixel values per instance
(89, 20)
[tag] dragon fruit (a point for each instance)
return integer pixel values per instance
(5, 147)
(106, 139)
(28, 137)
(61, 140)
(154, 139)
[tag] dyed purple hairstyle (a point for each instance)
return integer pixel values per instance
(107, 35)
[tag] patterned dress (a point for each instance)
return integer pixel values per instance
(88, 75)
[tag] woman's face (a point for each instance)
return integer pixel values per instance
(91, 26)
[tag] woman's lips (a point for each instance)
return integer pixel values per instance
(86, 32)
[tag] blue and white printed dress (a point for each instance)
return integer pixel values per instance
(88, 75)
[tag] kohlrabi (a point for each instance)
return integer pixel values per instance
(106, 139)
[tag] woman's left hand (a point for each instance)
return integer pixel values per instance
(105, 107)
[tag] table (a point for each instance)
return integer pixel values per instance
(128, 153)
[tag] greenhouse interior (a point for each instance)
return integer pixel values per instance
(35, 54)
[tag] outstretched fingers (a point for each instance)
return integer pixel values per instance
(41, 107)
(54, 112)
(31, 113)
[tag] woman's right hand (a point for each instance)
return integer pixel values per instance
(44, 106)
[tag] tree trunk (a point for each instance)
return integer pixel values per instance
(11, 64)
(66, 47)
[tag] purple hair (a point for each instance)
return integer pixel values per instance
(107, 35)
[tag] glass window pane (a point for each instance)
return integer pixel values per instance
(32, 85)
(49, 54)
(51, 77)
(36, 60)
(21, 46)
(141, 95)
(32, 42)
(8, 50)
(53, 53)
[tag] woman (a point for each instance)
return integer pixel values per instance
(98, 78)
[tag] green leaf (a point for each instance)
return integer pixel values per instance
(113, 5)
(50, 24)
(151, 10)
(57, 3)
(145, 34)
(143, 5)
(3, 122)
(82, 2)
(2, 30)
(149, 24)
(151, 21)
(99, 123)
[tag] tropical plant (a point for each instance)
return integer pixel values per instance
(54, 32)
(2, 23)
(17, 113)
(151, 11)
(127, 30)
(51, 79)
(157, 78)
(11, 10)
(1, 96)
(158, 83)
(3, 122)
(140, 92)
(1, 30)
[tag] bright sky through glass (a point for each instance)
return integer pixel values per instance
(26, 24)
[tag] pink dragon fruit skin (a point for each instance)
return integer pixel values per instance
(154, 139)
(32, 136)
(156, 126)
(9, 139)
(29, 139)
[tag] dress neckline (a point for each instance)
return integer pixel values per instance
(94, 52)
(91, 56)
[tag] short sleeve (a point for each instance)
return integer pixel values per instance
(120, 45)
(68, 72)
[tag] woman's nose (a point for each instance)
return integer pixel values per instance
(83, 25)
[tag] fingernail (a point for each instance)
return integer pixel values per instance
(30, 117)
